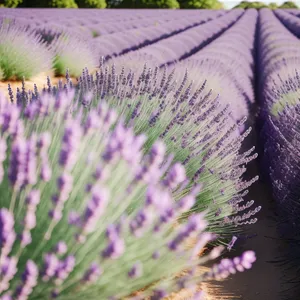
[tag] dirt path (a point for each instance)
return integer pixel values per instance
(265, 281)
(40, 81)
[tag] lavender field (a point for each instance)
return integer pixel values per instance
(149, 154)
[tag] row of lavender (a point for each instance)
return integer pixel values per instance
(278, 90)
(129, 40)
(67, 48)
(112, 227)
(210, 49)
(101, 23)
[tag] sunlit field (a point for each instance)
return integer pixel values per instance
(149, 153)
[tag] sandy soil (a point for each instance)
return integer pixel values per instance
(40, 81)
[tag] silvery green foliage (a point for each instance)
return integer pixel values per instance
(196, 127)
(22, 54)
(85, 214)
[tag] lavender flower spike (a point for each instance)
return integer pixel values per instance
(227, 266)
(7, 233)
(29, 279)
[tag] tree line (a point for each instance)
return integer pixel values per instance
(272, 5)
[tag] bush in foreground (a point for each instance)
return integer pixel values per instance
(195, 127)
(80, 203)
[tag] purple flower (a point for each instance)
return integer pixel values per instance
(95, 209)
(63, 270)
(31, 161)
(9, 118)
(175, 176)
(228, 266)
(139, 224)
(115, 248)
(158, 294)
(3, 148)
(136, 271)
(51, 264)
(29, 222)
(8, 270)
(16, 172)
(61, 248)
(92, 274)
(29, 279)
(7, 233)
(65, 185)
(70, 145)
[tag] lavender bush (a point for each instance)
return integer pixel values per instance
(22, 54)
(70, 225)
(194, 126)
(73, 52)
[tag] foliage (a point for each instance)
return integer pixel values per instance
(91, 3)
(12, 3)
(201, 4)
(62, 4)
(50, 3)
(273, 5)
(255, 4)
(288, 4)
(259, 5)
(73, 53)
(149, 4)
(35, 3)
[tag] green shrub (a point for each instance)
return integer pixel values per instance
(288, 4)
(149, 4)
(91, 3)
(63, 4)
(12, 3)
(22, 54)
(73, 53)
